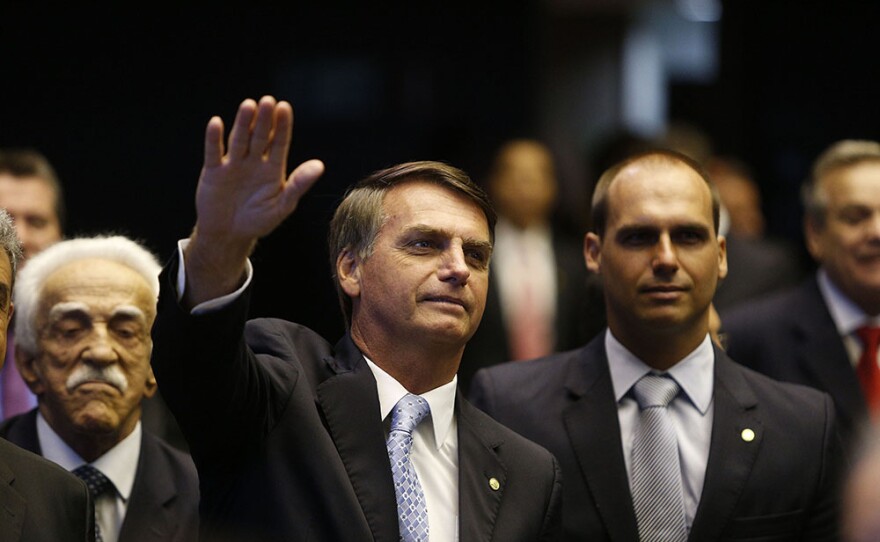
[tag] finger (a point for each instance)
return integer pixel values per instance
(299, 182)
(280, 144)
(262, 128)
(214, 142)
(241, 128)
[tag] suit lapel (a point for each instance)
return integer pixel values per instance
(12, 506)
(350, 405)
(478, 465)
(591, 422)
(824, 357)
(147, 516)
(731, 455)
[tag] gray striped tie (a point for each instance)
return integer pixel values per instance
(656, 474)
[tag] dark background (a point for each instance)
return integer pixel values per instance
(118, 98)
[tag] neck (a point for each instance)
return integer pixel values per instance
(88, 443)
(661, 350)
(419, 368)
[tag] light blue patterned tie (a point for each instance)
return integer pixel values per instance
(656, 472)
(412, 512)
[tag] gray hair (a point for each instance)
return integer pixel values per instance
(33, 277)
(9, 241)
(843, 154)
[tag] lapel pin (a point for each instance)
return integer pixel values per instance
(747, 435)
(494, 484)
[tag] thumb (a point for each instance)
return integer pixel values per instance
(300, 181)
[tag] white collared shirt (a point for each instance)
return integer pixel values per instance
(691, 411)
(119, 464)
(434, 453)
(513, 273)
(847, 316)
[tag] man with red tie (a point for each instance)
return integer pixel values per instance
(825, 332)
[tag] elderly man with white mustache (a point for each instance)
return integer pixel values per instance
(85, 308)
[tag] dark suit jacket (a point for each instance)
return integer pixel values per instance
(164, 500)
(580, 313)
(791, 337)
(780, 486)
(286, 433)
(40, 501)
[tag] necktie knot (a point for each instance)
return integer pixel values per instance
(408, 413)
(95, 479)
(655, 391)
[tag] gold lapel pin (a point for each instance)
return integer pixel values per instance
(494, 484)
(747, 435)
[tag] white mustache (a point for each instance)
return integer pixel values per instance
(110, 374)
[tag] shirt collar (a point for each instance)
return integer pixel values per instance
(119, 464)
(694, 373)
(441, 400)
(847, 316)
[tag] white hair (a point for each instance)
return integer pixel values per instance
(30, 281)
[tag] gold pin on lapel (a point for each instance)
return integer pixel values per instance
(747, 435)
(494, 484)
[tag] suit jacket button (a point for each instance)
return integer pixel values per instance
(494, 484)
(748, 435)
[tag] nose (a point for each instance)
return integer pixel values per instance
(453, 267)
(665, 259)
(99, 349)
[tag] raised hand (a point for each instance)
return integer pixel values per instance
(243, 194)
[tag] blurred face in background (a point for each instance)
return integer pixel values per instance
(31, 202)
(523, 183)
(847, 242)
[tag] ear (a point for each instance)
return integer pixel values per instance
(593, 252)
(151, 385)
(812, 236)
(722, 257)
(348, 273)
(30, 372)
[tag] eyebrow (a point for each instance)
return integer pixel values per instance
(470, 242)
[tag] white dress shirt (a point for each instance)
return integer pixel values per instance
(847, 316)
(524, 259)
(691, 411)
(119, 465)
(434, 453)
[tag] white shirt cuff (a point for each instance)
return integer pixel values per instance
(211, 304)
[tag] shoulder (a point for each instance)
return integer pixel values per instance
(774, 309)
(794, 402)
(158, 452)
(547, 376)
(35, 473)
(513, 449)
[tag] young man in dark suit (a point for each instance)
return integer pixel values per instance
(38, 499)
(745, 456)
(817, 334)
(85, 309)
(293, 437)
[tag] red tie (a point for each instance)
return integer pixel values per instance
(867, 370)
